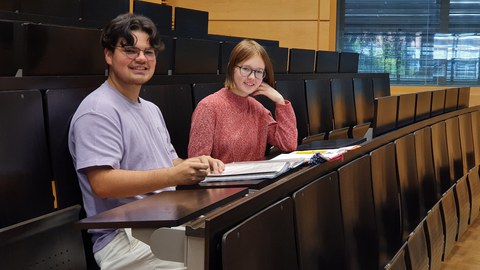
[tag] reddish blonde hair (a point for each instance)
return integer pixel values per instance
(243, 51)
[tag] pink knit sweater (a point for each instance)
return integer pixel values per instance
(234, 128)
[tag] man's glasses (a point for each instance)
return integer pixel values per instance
(245, 71)
(134, 52)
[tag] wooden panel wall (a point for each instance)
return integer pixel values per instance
(304, 24)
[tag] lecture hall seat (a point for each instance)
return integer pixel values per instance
(358, 212)
(319, 243)
(448, 210)
(430, 191)
(466, 142)
(177, 115)
(454, 149)
(320, 112)
(385, 115)
(385, 196)
(473, 181)
(49, 241)
(265, 241)
(462, 202)
(412, 209)
(435, 237)
(440, 157)
(417, 249)
(398, 261)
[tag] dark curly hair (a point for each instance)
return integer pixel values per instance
(122, 27)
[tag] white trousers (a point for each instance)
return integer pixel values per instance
(127, 252)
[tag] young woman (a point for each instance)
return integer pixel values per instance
(230, 124)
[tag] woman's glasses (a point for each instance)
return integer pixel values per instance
(245, 71)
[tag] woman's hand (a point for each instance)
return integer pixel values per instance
(270, 92)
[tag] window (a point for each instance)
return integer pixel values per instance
(424, 42)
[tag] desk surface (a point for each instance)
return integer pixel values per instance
(166, 209)
(261, 183)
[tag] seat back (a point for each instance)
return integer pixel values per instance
(476, 135)
(466, 141)
(342, 103)
(69, 48)
(450, 221)
(406, 110)
(422, 105)
(264, 241)
(319, 106)
(454, 149)
(385, 115)
(7, 50)
(387, 204)
(318, 223)
(463, 97)
(195, 56)
(61, 104)
(462, 202)
(438, 102)
(326, 62)
(398, 261)
(412, 209)
(26, 167)
(348, 62)
(473, 181)
(161, 15)
(381, 86)
(202, 90)
(363, 91)
(440, 156)
(417, 249)
(175, 103)
(48, 241)
(451, 99)
(358, 212)
(190, 23)
(425, 170)
(301, 61)
(279, 58)
(435, 237)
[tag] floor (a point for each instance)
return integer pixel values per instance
(466, 252)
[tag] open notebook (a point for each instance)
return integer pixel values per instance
(252, 170)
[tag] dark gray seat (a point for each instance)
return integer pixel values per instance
(48, 241)
(265, 241)
(318, 222)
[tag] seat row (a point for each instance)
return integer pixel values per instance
(359, 215)
(38, 49)
(396, 111)
(37, 167)
(432, 241)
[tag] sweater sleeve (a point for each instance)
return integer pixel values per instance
(282, 133)
(201, 131)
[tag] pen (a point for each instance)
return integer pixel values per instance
(310, 151)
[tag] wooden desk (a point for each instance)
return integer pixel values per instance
(152, 219)
(166, 209)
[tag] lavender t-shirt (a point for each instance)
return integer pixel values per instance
(110, 130)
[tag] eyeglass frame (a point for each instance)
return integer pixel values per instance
(155, 52)
(254, 71)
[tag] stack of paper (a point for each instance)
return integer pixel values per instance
(252, 170)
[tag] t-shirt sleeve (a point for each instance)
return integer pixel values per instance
(98, 142)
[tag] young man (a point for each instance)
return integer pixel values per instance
(120, 145)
